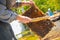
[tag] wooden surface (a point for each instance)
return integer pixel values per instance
(54, 34)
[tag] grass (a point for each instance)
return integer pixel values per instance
(29, 37)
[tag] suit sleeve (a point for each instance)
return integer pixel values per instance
(7, 15)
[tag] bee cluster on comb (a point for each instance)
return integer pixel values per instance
(42, 27)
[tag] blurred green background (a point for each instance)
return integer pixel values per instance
(42, 5)
(45, 4)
